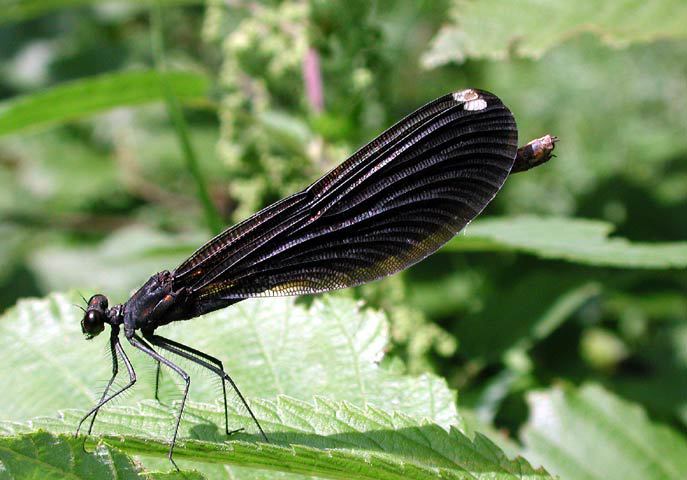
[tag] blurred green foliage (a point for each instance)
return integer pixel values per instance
(100, 202)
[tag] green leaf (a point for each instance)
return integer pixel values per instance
(590, 434)
(87, 96)
(324, 438)
(573, 240)
(492, 29)
(17, 10)
(47, 456)
(270, 347)
(273, 348)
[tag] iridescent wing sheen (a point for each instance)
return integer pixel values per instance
(392, 203)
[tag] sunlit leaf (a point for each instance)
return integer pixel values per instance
(590, 434)
(492, 29)
(273, 348)
(270, 347)
(573, 240)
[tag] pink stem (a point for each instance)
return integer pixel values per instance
(313, 80)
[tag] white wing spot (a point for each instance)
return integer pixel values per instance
(465, 95)
(479, 104)
(471, 100)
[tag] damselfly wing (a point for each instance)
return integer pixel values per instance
(392, 203)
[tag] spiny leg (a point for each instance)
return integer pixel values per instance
(132, 379)
(187, 353)
(115, 370)
(163, 342)
(141, 344)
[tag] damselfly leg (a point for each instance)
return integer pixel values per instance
(192, 354)
(141, 344)
(118, 350)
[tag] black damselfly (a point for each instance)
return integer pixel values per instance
(394, 202)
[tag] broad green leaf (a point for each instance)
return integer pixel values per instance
(370, 426)
(270, 347)
(325, 438)
(573, 240)
(496, 30)
(17, 10)
(87, 96)
(44, 456)
(590, 434)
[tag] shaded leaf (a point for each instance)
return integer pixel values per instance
(87, 96)
(12, 246)
(47, 456)
(573, 240)
(590, 434)
(492, 29)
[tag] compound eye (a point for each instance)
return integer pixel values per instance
(93, 323)
(98, 301)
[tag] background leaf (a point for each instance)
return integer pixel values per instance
(117, 265)
(574, 240)
(84, 97)
(591, 434)
(608, 167)
(491, 29)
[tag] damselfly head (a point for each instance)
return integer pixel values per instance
(94, 319)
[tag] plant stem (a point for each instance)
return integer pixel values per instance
(212, 217)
